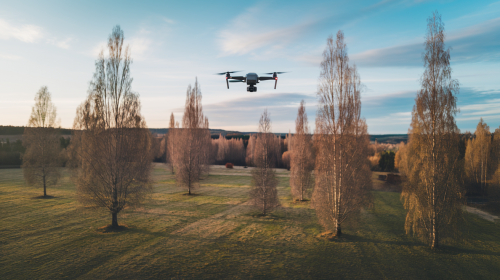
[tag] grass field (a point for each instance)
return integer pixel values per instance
(216, 234)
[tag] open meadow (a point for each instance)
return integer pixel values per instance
(217, 234)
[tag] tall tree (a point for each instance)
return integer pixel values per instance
(191, 152)
(478, 159)
(263, 188)
(343, 177)
(42, 158)
(170, 142)
(302, 162)
(112, 146)
(432, 193)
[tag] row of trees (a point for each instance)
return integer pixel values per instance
(111, 151)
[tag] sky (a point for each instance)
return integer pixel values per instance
(56, 43)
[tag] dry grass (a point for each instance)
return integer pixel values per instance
(217, 234)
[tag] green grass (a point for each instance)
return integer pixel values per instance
(217, 235)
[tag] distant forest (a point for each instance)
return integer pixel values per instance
(381, 138)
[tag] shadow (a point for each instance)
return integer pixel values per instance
(193, 194)
(43, 197)
(443, 249)
(111, 229)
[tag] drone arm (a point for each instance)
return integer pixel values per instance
(265, 78)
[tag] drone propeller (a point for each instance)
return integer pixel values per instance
(275, 73)
(225, 73)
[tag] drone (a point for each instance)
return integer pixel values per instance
(251, 79)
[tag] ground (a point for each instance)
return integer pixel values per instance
(217, 234)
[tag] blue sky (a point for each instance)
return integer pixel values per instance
(55, 44)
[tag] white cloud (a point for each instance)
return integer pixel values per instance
(139, 46)
(167, 20)
(63, 44)
(245, 34)
(9, 57)
(27, 33)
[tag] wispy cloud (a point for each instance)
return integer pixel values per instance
(63, 44)
(480, 42)
(245, 112)
(27, 33)
(244, 34)
(9, 57)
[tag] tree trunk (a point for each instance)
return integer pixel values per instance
(114, 222)
(338, 230)
(44, 187)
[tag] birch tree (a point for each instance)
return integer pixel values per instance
(478, 164)
(191, 149)
(302, 162)
(42, 158)
(111, 145)
(263, 187)
(432, 193)
(343, 177)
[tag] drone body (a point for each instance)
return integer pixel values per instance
(251, 79)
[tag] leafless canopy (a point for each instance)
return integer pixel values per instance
(341, 140)
(42, 158)
(302, 162)
(264, 182)
(192, 143)
(432, 193)
(111, 147)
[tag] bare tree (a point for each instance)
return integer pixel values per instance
(42, 158)
(264, 182)
(302, 162)
(193, 144)
(432, 193)
(170, 139)
(343, 177)
(111, 145)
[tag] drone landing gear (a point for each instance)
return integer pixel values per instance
(252, 89)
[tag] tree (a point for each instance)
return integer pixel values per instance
(170, 139)
(111, 146)
(302, 162)
(343, 177)
(478, 161)
(263, 188)
(432, 193)
(42, 158)
(192, 147)
(386, 161)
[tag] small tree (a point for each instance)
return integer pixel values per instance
(111, 145)
(42, 158)
(432, 192)
(170, 139)
(302, 162)
(264, 182)
(191, 156)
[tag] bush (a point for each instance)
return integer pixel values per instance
(229, 165)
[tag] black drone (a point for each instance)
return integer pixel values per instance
(251, 79)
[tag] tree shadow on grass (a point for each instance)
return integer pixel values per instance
(111, 229)
(43, 197)
(443, 249)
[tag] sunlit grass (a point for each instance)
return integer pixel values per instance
(217, 234)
